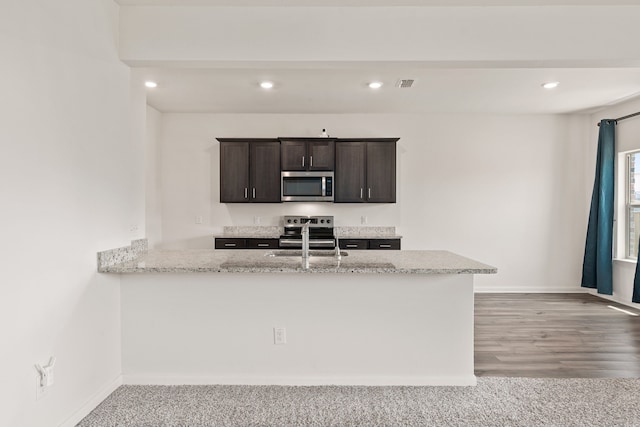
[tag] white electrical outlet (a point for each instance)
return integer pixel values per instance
(199, 219)
(364, 220)
(279, 336)
(257, 220)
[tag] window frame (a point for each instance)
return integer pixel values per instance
(628, 206)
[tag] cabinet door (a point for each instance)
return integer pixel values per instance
(294, 155)
(353, 244)
(381, 172)
(255, 243)
(393, 244)
(222, 243)
(265, 172)
(350, 172)
(321, 155)
(234, 172)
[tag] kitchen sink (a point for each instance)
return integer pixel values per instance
(294, 253)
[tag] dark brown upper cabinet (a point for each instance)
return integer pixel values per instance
(365, 170)
(307, 154)
(249, 170)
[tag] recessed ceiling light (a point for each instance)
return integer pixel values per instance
(266, 85)
(375, 85)
(550, 85)
(150, 84)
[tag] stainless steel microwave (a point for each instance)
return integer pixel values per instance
(307, 186)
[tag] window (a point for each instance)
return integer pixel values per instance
(633, 204)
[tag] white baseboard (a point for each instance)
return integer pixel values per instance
(529, 290)
(149, 379)
(92, 402)
(616, 299)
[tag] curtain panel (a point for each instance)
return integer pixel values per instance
(597, 269)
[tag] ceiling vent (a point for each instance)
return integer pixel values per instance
(405, 83)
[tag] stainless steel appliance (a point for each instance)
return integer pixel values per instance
(307, 186)
(320, 232)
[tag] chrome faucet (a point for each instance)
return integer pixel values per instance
(338, 255)
(305, 241)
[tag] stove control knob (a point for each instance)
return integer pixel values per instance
(295, 221)
(289, 221)
(328, 221)
(322, 221)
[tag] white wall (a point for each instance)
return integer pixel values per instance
(553, 34)
(153, 205)
(506, 190)
(72, 183)
(627, 138)
(340, 329)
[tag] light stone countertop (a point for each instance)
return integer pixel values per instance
(260, 261)
(274, 232)
(369, 236)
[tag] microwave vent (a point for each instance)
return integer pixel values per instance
(405, 83)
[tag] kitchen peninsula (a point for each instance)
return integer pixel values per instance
(369, 318)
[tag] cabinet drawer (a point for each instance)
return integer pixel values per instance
(354, 243)
(262, 243)
(389, 244)
(230, 243)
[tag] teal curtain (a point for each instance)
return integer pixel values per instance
(636, 283)
(598, 253)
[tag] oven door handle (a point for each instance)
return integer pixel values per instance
(290, 241)
(297, 243)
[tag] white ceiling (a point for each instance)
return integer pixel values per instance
(591, 80)
(375, 3)
(345, 90)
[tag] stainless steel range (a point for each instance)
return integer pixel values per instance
(320, 232)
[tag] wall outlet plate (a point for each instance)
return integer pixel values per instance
(279, 336)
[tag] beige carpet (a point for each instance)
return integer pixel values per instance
(494, 402)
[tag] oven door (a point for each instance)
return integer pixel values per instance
(307, 187)
(313, 243)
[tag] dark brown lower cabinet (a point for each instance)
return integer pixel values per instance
(353, 244)
(389, 244)
(272, 243)
(230, 243)
(263, 243)
(246, 243)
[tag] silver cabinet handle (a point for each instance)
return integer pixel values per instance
(352, 246)
(302, 161)
(384, 245)
(254, 192)
(361, 192)
(230, 245)
(311, 161)
(369, 192)
(246, 193)
(263, 245)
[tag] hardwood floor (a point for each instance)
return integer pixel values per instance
(555, 335)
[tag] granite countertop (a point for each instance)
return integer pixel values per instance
(369, 236)
(263, 261)
(248, 232)
(274, 232)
